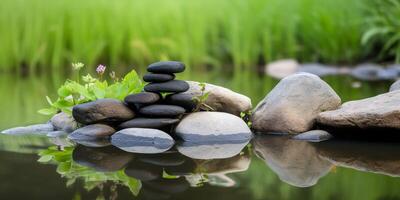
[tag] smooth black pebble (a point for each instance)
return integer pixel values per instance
(169, 86)
(181, 99)
(157, 78)
(148, 123)
(142, 98)
(166, 67)
(162, 111)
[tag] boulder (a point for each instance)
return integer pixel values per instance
(395, 86)
(92, 132)
(63, 122)
(281, 68)
(293, 105)
(382, 111)
(220, 99)
(204, 127)
(295, 162)
(102, 111)
(142, 140)
(313, 136)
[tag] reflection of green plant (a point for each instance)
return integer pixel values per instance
(73, 93)
(67, 168)
(201, 99)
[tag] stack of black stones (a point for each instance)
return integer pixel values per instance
(156, 106)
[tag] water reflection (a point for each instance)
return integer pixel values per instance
(295, 162)
(382, 158)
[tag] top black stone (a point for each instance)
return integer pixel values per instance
(166, 67)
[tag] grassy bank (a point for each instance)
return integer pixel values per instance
(205, 34)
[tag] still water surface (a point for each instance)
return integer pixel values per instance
(269, 167)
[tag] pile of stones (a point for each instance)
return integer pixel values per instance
(139, 116)
(153, 109)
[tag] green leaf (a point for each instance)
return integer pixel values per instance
(47, 111)
(45, 158)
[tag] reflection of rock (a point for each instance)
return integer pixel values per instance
(293, 105)
(382, 158)
(168, 159)
(143, 171)
(233, 164)
(142, 140)
(213, 126)
(295, 162)
(168, 185)
(210, 150)
(382, 111)
(101, 159)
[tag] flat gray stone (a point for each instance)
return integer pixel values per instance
(142, 140)
(213, 127)
(294, 104)
(382, 111)
(102, 111)
(169, 86)
(162, 111)
(166, 67)
(92, 132)
(313, 136)
(32, 129)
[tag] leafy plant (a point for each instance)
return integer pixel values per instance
(246, 117)
(74, 93)
(384, 27)
(67, 168)
(201, 99)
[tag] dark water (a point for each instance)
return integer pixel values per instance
(269, 167)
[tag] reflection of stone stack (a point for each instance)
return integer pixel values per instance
(154, 111)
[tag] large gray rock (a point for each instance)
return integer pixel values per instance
(102, 111)
(395, 86)
(142, 140)
(293, 105)
(382, 111)
(203, 127)
(63, 122)
(220, 99)
(295, 162)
